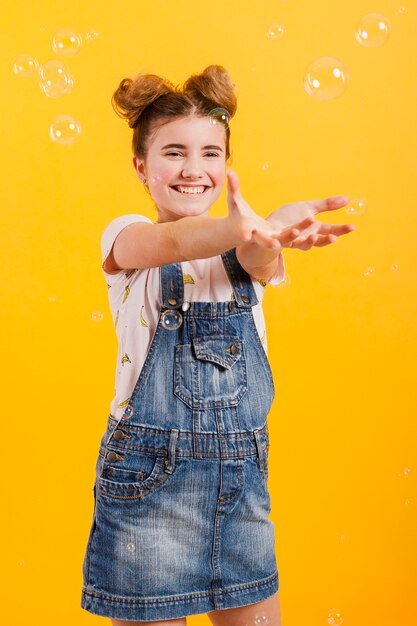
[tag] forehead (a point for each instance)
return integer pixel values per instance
(190, 131)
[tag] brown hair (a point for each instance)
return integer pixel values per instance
(149, 101)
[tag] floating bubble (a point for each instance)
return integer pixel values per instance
(355, 208)
(261, 620)
(372, 30)
(326, 78)
(407, 502)
(91, 35)
(405, 472)
(334, 617)
(394, 267)
(276, 31)
(52, 299)
(156, 179)
(171, 319)
(66, 42)
(25, 65)
(54, 79)
(264, 166)
(402, 10)
(65, 130)
(369, 272)
(97, 316)
(219, 116)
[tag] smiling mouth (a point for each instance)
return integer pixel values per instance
(197, 190)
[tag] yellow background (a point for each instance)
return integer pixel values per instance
(342, 345)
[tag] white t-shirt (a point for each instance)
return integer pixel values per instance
(134, 298)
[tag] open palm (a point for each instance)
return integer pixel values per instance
(318, 233)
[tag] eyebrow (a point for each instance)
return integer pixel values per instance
(182, 147)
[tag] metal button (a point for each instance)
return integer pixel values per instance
(245, 299)
(231, 306)
(111, 456)
(128, 412)
(172, 300)
(118, 434)
(233, 349)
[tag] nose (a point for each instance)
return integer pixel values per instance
(192, 168)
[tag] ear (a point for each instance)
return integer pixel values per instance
(139, 167)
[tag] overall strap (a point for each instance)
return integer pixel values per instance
(171, 285)
(240, 280)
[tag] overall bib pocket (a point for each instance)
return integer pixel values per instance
(131, 474)
(210, 371)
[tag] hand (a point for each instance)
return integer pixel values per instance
(250, 227)
(317, 234)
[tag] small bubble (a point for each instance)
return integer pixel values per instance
(342, 537)
(219, 116)
(52, 299)
(171, 319)
(405, 472)
(64, 130)
(22, 563)
(334, 617)
(369, 272)
(97, 316)
(261, 620)
(131, 547)
(355, 208)
(402, 10)
(372, 30)
(155, 179)
(326, 78)
(91, 35)
(394, 267)
(25, 65)
(407, 502)
(275, 31)
(264, 166)
(66, 42)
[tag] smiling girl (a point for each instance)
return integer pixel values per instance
(181, 503)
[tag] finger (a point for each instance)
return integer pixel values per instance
(325, 240)
(266, 240)
(329, 204)
(335, 229)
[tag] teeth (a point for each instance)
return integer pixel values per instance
(190, 190)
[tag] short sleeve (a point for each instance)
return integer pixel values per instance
(279, 275)
(112, 230)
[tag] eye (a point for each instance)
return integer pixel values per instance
(172, 153)
(212, 153)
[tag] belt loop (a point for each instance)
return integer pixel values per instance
(260, 449)
(170, 461)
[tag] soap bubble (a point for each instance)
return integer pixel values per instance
(219, 116)
(334, 617)
(171, 319)
(97, 316)
(276, 31)
(65, 130)
(156, 179)
(325, 78)
(394, 267)
(264, 166)
(25, 65)
(54, 79)
(355, 208)
(372, 30)
(369, 272)
(91, 35)
(66, 42)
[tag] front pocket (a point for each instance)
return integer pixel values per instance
(211, 371)
(134, 475)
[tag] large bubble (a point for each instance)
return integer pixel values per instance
(326, 78)
(64, 130)
(54, 79)
(25, 65)
(372, 30)
(66, 42)
(219, 116)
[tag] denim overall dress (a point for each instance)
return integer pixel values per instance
(181, 502)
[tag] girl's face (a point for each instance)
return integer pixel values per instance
(196, 162)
